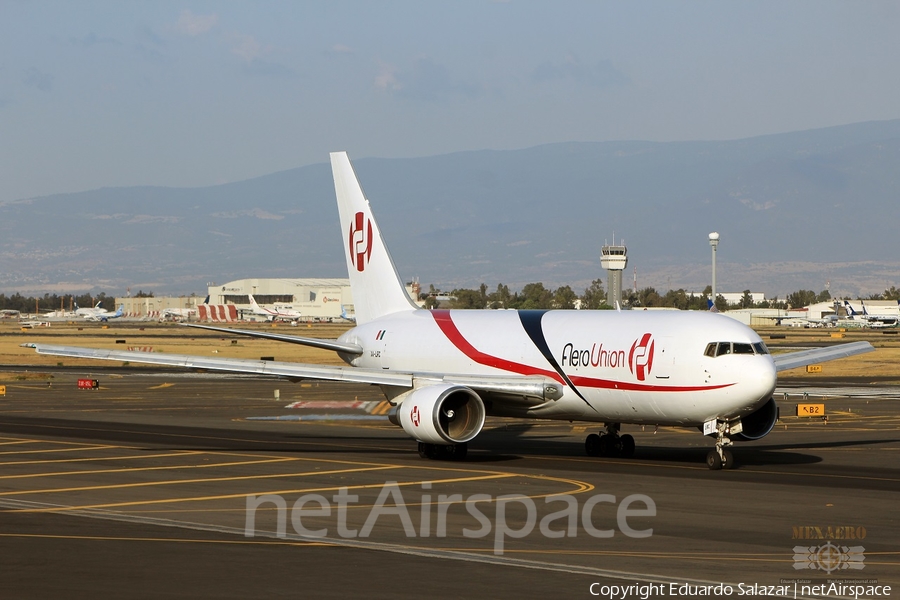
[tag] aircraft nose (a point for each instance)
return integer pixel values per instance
(766, 377)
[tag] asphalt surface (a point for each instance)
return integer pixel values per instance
(141, 488)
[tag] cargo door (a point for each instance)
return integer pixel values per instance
(663, 359)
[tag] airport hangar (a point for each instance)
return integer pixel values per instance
(315, 299)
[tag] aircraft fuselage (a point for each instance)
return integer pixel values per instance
(646, 367)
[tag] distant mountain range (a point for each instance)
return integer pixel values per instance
(794, 211)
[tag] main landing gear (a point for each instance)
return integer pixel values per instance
(610, 443)
(439, 452)
(720, 457)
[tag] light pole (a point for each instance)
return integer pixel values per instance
(714, 242)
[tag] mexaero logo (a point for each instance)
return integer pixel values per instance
(414, 416)
(360, 240)
(640, 359)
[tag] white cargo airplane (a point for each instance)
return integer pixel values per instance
(445, 370)
(276, 313)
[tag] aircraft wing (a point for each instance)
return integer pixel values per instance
(792, 360)
(334, 345)
(234, 365)
(514, 390)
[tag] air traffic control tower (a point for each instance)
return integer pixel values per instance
(614, 260)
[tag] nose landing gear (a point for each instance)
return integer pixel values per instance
(720, 457)
(610, 443)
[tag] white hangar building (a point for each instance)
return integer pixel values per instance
(314, 298)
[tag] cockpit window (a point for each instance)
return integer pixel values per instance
(714, 349)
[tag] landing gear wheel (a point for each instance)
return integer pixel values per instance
(441, 452)
(592, 445)
(627, 449)
(429, 450)
(713, 460)
(610, 443)
(446, 452)
(607, 445)
(460, 451)
(728, 462)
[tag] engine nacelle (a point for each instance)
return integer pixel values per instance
(442, 414)
(759, 423)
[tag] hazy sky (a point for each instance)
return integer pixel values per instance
(96, 94)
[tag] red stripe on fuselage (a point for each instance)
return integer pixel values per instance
(448, 327)
(606, 384)
(442, 317)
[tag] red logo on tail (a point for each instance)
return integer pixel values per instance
(640, 359)
(360, 240)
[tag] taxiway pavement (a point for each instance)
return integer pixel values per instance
(141, 489)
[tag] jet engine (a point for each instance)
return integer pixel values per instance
(759, 423)
(442, 414)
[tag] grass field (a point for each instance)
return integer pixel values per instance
(882, 365)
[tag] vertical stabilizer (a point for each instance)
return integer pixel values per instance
(377, 289)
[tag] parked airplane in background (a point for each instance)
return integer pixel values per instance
(797, 321)
(9, 313)
(346, 316)
(181, 314)
(446, 370)
(177, 314)
(88, 312)
(98, 314)
(801, 320)
(32, 323)
(277, 313)
(872, 320)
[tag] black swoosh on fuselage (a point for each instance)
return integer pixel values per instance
(531, 323)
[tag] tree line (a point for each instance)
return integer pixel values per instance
(537, 296)
(533, 295)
